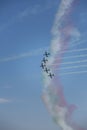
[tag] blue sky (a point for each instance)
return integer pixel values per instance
(25, 32)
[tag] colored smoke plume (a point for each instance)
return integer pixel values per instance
(53, 96)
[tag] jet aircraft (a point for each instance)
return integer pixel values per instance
(47, 70)
(42, 65)
(51, 75)
(46, 54)
(44, 60)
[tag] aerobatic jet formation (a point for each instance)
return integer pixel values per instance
(44, 65)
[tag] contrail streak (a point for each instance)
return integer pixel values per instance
(23, 55)
(80, 61)
(76, 56)
(77, 43)
(75, 50)
(75, 72)
(72, 67)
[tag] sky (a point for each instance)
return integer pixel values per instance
(25, 33)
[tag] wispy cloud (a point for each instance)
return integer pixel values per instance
(37, 9)
(34, 10)
(4, 100)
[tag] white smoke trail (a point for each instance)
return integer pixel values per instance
(24, 55)
(76, 56)
(79, 42)
(75, 50)
(72, 67)
(65, 5)
(80, 61)
(74, 72)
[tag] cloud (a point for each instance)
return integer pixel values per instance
(30, 11)
(38, 8)
(4, 100)
(19, 16)
(34, 10)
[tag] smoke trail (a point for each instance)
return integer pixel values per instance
(74, 72)
(73, 67)
(80, 61)
(76, 50)
(23, 55)
(53, 95)
(76, 56)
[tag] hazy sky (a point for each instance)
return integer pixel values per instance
(25, 32)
